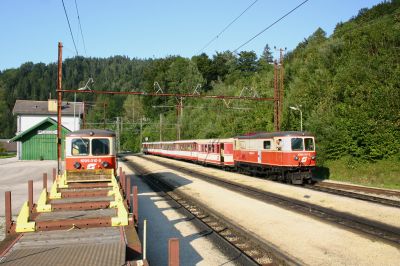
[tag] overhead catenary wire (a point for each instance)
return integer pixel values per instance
(226, 27)
(69, 25)
(80, 28)
(271, 25)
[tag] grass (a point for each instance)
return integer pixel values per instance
(383, 174)
(7, 155)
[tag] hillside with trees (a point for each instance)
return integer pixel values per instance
(347, 84)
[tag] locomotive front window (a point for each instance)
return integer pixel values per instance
(309, 144)
(100, 147)
(297, 144)
(80, 146)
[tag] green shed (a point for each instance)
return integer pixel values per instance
(40, 141)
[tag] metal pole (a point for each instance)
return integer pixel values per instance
(30, 195)
(74, 109)
(128, 192)
(54, 174)
(144, 239)
(118, 134)
(281, 74)
(173, 252)
(135, 205)
(8, 211)
(141, 133)
(59, 103)
(45, 180)
(160, 127)
(104, 115)
(301, 120)
(276, 97)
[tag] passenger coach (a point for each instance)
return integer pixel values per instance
(287, 156)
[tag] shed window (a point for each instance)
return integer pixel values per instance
(267, 145)
(100, 147)
(80, 146)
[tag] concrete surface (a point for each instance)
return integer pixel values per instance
(14, 176)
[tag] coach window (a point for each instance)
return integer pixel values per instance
(309, 144)
(267, 145)
(297, 144)
(100, 146)
(80, 146)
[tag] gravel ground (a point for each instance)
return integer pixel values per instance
(312, 242)
(372, 211)
(164, 222)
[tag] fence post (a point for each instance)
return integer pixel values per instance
(173, 252)
(45, 180)
(54, 174)
(128, 192)
(30, 195)
(8, 213)
(135, 205)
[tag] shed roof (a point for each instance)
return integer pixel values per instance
(29, 107)
(47, 120)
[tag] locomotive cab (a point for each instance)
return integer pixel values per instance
(90, 150)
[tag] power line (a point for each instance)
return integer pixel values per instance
(80, 27)
(275, 22)
(222, 31)
(69, 25)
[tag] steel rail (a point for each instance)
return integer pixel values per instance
(256, 251)
(388, 233)
(179, 95)
(371, 190)
(354, 195)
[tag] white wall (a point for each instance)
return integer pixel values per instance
(28, 121)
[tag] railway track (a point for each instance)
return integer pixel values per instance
(252, 251)
(360, 225)
(343, 190)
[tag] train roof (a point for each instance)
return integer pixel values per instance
(267, 135)
(199, 141)
(92, 132)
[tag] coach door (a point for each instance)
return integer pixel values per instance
(221, 150)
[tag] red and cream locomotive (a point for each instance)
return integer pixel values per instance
(90, 149)
(288, 156)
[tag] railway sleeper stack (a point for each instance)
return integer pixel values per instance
(84, 219)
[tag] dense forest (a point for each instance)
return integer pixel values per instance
(347, 84)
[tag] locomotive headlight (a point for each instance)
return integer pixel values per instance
(313, 157)
(296, 158)
(105, 164)
(77, 165)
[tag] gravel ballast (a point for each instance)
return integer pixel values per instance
(311, 241)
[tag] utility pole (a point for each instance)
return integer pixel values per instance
(104, 115)
(118, 134)
(276, 98)
(281, 94)
(59, 104)
(141, 133)
(179, 113)
(160, 127)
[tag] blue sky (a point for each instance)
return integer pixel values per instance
(30, 30)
